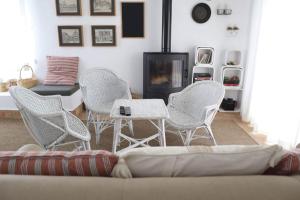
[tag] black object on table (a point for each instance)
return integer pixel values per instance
(125, 111)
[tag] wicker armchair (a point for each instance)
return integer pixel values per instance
(48, 123)
(100, 88)
(193, 108)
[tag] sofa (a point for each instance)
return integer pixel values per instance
(94, 188)
(254, 187)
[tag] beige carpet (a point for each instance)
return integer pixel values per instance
(13, 134)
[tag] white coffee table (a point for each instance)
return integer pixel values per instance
(142, 109)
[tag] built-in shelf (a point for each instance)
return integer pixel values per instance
(233, 58)
(237, 110)
(203, 69)
(236, 95)
(203, 73)
(233, 88)
(232, 72)
(204, 55)
(232, 77)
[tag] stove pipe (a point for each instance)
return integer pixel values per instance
(166, 25)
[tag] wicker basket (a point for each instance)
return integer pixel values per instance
(12, 82)
(3, 87)
(29, 82)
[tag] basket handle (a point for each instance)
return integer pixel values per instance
(26, 67)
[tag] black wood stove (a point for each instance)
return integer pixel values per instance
(165, 72)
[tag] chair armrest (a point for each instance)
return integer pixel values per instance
(127, 95)
(210, 112)
(56, 119)
(172, 98)
(83, 90)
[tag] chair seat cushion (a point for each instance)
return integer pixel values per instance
(85, 163)
(63, 90)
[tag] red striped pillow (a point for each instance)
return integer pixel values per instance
(61, 70)
(85, 163)
(288, 165)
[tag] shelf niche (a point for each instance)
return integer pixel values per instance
(204, 55)
(233, 58)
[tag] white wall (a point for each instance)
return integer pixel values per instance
(127, 58)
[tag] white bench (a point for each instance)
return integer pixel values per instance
(70, 103)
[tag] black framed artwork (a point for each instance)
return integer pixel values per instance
(104, 36)
(133, 19)
(70, 36)
(102, 7)
(68, 7)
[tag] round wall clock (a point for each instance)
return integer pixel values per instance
(201, 13)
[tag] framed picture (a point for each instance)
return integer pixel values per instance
(68, 7)
(133, 20)
(102, 7)
(70, 36)
(104, 35)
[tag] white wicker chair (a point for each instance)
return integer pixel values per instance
(193, 108)
(48, 123)
(100, 88)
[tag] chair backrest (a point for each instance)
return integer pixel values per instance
(193, 99)
(31, 107)
(101, 86)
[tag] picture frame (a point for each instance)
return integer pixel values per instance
(70, 36)
(133, 19)
(104, 36)
(102, 7)
(68, 7)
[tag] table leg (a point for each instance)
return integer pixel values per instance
(130, 125)
(117, 131)
(161, 124)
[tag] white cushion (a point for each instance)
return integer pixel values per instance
(121, 170)
(198, 161)
(31, 147)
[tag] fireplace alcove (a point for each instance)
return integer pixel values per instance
(164, 73)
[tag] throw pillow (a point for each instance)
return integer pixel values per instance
(61, 70)
(200, 161)
(51, 163)
(31, 147)
(121, 170)
(288, 165)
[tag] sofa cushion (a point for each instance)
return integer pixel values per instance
(63, 90)
(86, 163)
(102, 188)
(200, 161)
(61, 70)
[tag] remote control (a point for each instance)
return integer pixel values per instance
(122, 110)
(127, 111)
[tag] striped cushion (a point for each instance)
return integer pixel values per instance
(61, 70)
(85, 163)
(288, 165)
